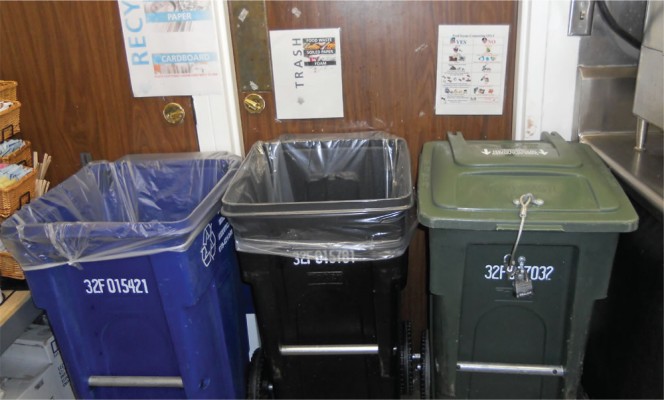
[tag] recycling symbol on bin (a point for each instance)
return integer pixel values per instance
(209, 247)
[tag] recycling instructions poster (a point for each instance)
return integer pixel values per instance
(171, 46)
(470, 78)
(306, 68)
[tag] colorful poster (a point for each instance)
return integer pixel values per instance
(306, 68)
(470, 76)
(172, 47)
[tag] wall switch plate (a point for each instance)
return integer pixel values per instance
(580, 17)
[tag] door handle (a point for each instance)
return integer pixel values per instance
(173, 113)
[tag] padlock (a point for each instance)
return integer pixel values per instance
(523, 285)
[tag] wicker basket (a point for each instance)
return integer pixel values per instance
(17, 195)
(8, 90)
(9, 121)
(22, 156)
(9, 267)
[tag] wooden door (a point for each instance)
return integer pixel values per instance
(389, 68)
(73, 84)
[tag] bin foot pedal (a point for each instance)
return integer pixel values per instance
(504, 368)
(136, 381)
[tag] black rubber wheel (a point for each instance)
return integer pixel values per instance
(425, 370)
(258, 387)
(406, 376)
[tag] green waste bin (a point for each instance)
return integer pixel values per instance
(509, 317)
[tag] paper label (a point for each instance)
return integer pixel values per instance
(470, 76)
(306, 68)
(172, 47)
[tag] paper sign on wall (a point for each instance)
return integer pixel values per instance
(470, 76)
(306, 68)
(172, 47)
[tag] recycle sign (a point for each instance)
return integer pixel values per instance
(209, 247)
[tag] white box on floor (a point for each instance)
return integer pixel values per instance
(31, 368)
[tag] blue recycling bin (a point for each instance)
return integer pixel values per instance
(137, 273)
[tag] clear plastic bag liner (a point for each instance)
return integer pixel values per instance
(341, 197)
(138, 205)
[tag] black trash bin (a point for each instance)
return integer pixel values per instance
(322, 226)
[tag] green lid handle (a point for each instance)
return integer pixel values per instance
(556, 141)
(565, 152)
(457, 142)
(456, 139)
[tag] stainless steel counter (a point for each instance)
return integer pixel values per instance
(641, 170)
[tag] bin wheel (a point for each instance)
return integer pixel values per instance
(258, 386)
(425, 367)
(406, 375)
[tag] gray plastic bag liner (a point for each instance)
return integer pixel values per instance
(335, 198)
(138, 205)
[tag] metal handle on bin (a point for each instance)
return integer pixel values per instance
(518, 369)
(136, 381)
(324, 350)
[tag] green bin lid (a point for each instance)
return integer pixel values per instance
(476, 185)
